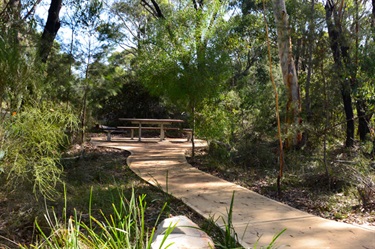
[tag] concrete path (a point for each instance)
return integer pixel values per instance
(255, 218)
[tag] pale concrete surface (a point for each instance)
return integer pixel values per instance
(185, 235)
(255, 218)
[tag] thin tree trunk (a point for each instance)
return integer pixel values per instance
(12, 18)
(361, 105)
(281, 148)
(50, 30)
(86, 90)
(288, 70)
(193, 134)
(348, 108)
(363, 119)
(309, 63)
(297, 54)
(326, 123)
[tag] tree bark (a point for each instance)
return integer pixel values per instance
(340, 52)
(288, 69)
(373, 14)
(311, 38)
(361, 104)
(348, 107)
(50, 30)
(363, 119)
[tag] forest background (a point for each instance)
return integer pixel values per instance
(284, 87)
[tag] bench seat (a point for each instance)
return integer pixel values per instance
(132, 128)
(121, 129)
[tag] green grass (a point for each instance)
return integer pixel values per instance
(124, 227)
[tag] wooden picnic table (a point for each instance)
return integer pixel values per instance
(150, 121)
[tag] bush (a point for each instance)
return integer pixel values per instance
(32, 142)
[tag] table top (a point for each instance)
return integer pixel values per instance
(151, 120)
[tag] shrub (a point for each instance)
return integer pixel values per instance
(32, 142)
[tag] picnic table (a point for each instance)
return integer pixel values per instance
(143, 121)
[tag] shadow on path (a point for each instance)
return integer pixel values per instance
(255, 217)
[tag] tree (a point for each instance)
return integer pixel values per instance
(184, 58)
(340, 49)
(50, 30)
(90, 52)
(288, 69)
(345, 54)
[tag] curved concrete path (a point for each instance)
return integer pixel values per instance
(255, 217)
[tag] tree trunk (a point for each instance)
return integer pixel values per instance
(288, 69)
(361, 105)
(50, 30)
(340, 51)
(193, 134)
(311, 39)
(363, 119)
(348, 107)
(373, 14)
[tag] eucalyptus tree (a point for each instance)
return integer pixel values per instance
(340, 51)
(345, 23)
(288, 68)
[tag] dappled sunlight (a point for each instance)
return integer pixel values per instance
(255, 217)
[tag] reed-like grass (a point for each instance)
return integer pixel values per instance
(123, 228)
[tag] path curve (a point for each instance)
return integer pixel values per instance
(255, 217)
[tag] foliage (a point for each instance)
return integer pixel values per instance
(218, 118)
(32, 141)
(183, 57)
(117, 93)
(133, 100)
(20, 79)
(124, 228)
(60, 83)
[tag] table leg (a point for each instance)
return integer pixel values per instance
(132, 134)
(161, 132)
(139, 132)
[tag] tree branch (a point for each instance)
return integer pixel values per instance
(32, 10)
(158, 10)
(154, 9)
(195, 5)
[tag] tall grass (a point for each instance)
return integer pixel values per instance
(123, 228)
